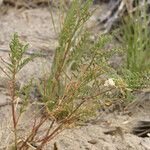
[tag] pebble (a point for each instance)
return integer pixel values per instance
(93, 141)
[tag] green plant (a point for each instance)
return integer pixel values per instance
(71, 93)
(17, 62)
(136, 41)
(76, 65)
(135, 80)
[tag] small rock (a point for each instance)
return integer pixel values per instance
(93, 141)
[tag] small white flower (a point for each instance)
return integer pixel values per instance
(109, 82)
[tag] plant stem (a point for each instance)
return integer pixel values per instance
(13, 91)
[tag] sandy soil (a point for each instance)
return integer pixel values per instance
(35, 27)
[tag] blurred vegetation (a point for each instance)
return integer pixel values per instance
(136, 43)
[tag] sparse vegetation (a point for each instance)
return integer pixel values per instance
(71, 93)
(80, 81)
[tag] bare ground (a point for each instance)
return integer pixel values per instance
(109, 131)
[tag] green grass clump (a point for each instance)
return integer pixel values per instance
(136, 42)
(74, 67)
